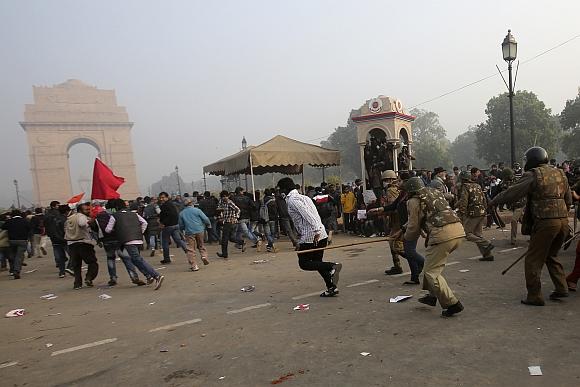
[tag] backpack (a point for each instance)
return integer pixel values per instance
(264, 214)
(72, 230)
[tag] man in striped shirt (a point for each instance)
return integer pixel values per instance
(312, 235)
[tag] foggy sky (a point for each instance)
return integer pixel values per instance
(196, 76)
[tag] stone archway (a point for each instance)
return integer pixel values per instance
(71, 113)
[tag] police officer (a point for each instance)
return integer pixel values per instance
(508, 179)
(428, 209)
(389, 178)
(549, 201)
(472, 208)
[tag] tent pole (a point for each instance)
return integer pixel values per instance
(252, 173)
(303, 190)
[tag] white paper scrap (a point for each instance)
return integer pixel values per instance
(104, 297)
(365, 353)
(463, 270)
(47, 296)
(399, 298)
(535, 371)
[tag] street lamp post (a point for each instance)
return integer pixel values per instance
(509, 49)
(178, 183)
(17, 193)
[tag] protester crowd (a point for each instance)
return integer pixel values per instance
(127, 229)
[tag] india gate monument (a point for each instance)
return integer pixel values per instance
(71, 113)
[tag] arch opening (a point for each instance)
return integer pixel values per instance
(81, 155)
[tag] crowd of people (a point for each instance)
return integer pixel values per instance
(445, 208)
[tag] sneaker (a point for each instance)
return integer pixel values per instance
(453, 309)
(78, 287)
(394, 271)
(150, 280)
(333, 291)
(165, 261)
(428, 300)
(334, 273)
(205, 260)
(152, 253)
(194, 268)
(138, 282)
(489, 258)
(43, 250)
(412, 282)
(112, 282)
(16, 275)
(221, 255)
(70, 271)
(61, 275)
(89, 283)
(158, 282)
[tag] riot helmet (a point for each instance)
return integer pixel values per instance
(535, 156)
(413, 185)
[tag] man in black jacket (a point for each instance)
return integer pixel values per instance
(128, 228)
(54, 224)
(168, 219)
(18, 231)
(246, 205)
(113, 247)
(209, 205)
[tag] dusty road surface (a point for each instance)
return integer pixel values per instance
(199, 329)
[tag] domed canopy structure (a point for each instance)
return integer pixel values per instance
(384, 134)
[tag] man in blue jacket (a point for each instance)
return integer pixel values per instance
(193, 222)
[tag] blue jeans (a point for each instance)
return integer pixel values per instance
(112, 250)
(60, 257)
(174, 233)
(244, 229)
(143, 266)
(269, 228)
(17, 250)
(212, 233)
(416, 260)
(287, 227)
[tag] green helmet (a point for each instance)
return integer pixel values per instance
(507, 174)
(413, 185)
(465, 176)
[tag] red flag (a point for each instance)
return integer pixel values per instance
(105, 183)
(76, 198)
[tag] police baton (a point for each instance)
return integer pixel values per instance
(514, 263)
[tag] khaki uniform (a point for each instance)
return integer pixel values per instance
(549, 200)
(472, 208)
(428, 209)
(517, 209)
(392, 193)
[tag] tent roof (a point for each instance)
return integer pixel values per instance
(279, 154)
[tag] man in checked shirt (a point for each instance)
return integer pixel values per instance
(311, 235)
(228, 214)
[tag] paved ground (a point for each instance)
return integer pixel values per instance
(199, 329)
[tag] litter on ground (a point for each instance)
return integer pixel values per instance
(302, 307)
(399, 298)
(535, 371)
(105, 297)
